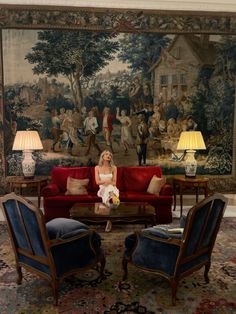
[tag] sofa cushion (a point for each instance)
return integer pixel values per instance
(76, 186)
(156, 184)
(60, 175)
(133, 196)
(67, 201)
(138, 178)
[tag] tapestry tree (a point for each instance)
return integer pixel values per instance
(76, 55)
(141, 51)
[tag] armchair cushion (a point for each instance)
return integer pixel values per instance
(64, 228)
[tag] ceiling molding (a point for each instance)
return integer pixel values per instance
(184, 5)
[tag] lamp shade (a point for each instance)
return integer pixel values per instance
(191, 140)
(27, 140)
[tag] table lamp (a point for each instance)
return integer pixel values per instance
(27, 141)
(190, 141)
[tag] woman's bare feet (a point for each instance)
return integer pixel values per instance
(108, 226)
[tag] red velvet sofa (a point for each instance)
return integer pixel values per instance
(131, 181)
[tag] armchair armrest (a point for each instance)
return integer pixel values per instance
(149, 249)
(165, 232)
(183, 220)
(167, 189)
(50, 190)
(79, 234)
(76, 252)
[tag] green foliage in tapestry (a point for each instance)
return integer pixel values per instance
(141, 51)
(75, 55)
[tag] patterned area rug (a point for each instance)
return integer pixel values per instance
(141, 293)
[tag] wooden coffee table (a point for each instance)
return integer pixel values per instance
(133, 213)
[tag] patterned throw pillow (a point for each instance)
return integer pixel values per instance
(76, 186)
(156, 184)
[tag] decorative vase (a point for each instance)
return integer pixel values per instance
(190, 164)
(28, 164)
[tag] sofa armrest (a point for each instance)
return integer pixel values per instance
(167, 189)
(50, 190)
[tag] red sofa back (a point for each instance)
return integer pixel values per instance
(60, 175)
(128, 178)
(138, 178)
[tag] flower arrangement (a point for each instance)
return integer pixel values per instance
(113, 201)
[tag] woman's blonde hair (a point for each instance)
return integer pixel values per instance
(100, 162)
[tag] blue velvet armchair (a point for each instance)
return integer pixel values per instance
(174, 253)
(54, 250)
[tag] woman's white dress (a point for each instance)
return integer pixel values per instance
(104, 190)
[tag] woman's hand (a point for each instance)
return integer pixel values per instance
(106, 183)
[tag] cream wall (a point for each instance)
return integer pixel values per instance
(192, 5)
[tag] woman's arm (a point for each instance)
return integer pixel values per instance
(98, 180)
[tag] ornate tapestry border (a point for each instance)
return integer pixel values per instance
(117, 20)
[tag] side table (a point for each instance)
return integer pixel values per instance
(19, 182)
(181, 182)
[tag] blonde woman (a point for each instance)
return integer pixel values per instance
(105, 176)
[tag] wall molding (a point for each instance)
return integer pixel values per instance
(184, 5)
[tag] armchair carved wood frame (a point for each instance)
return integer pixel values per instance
(53, 251)
(175, 256)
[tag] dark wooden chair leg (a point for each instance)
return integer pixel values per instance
(54, 284)
(174, 285)
(19, 273)
(125, 268)
(207, 268)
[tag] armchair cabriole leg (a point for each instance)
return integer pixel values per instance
(19, 273)
(54, 284)
(207, 268)
(125, 268)
(174, 285)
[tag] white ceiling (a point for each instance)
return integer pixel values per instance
(188, 5)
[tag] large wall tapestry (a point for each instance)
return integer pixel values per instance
(86, 79)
